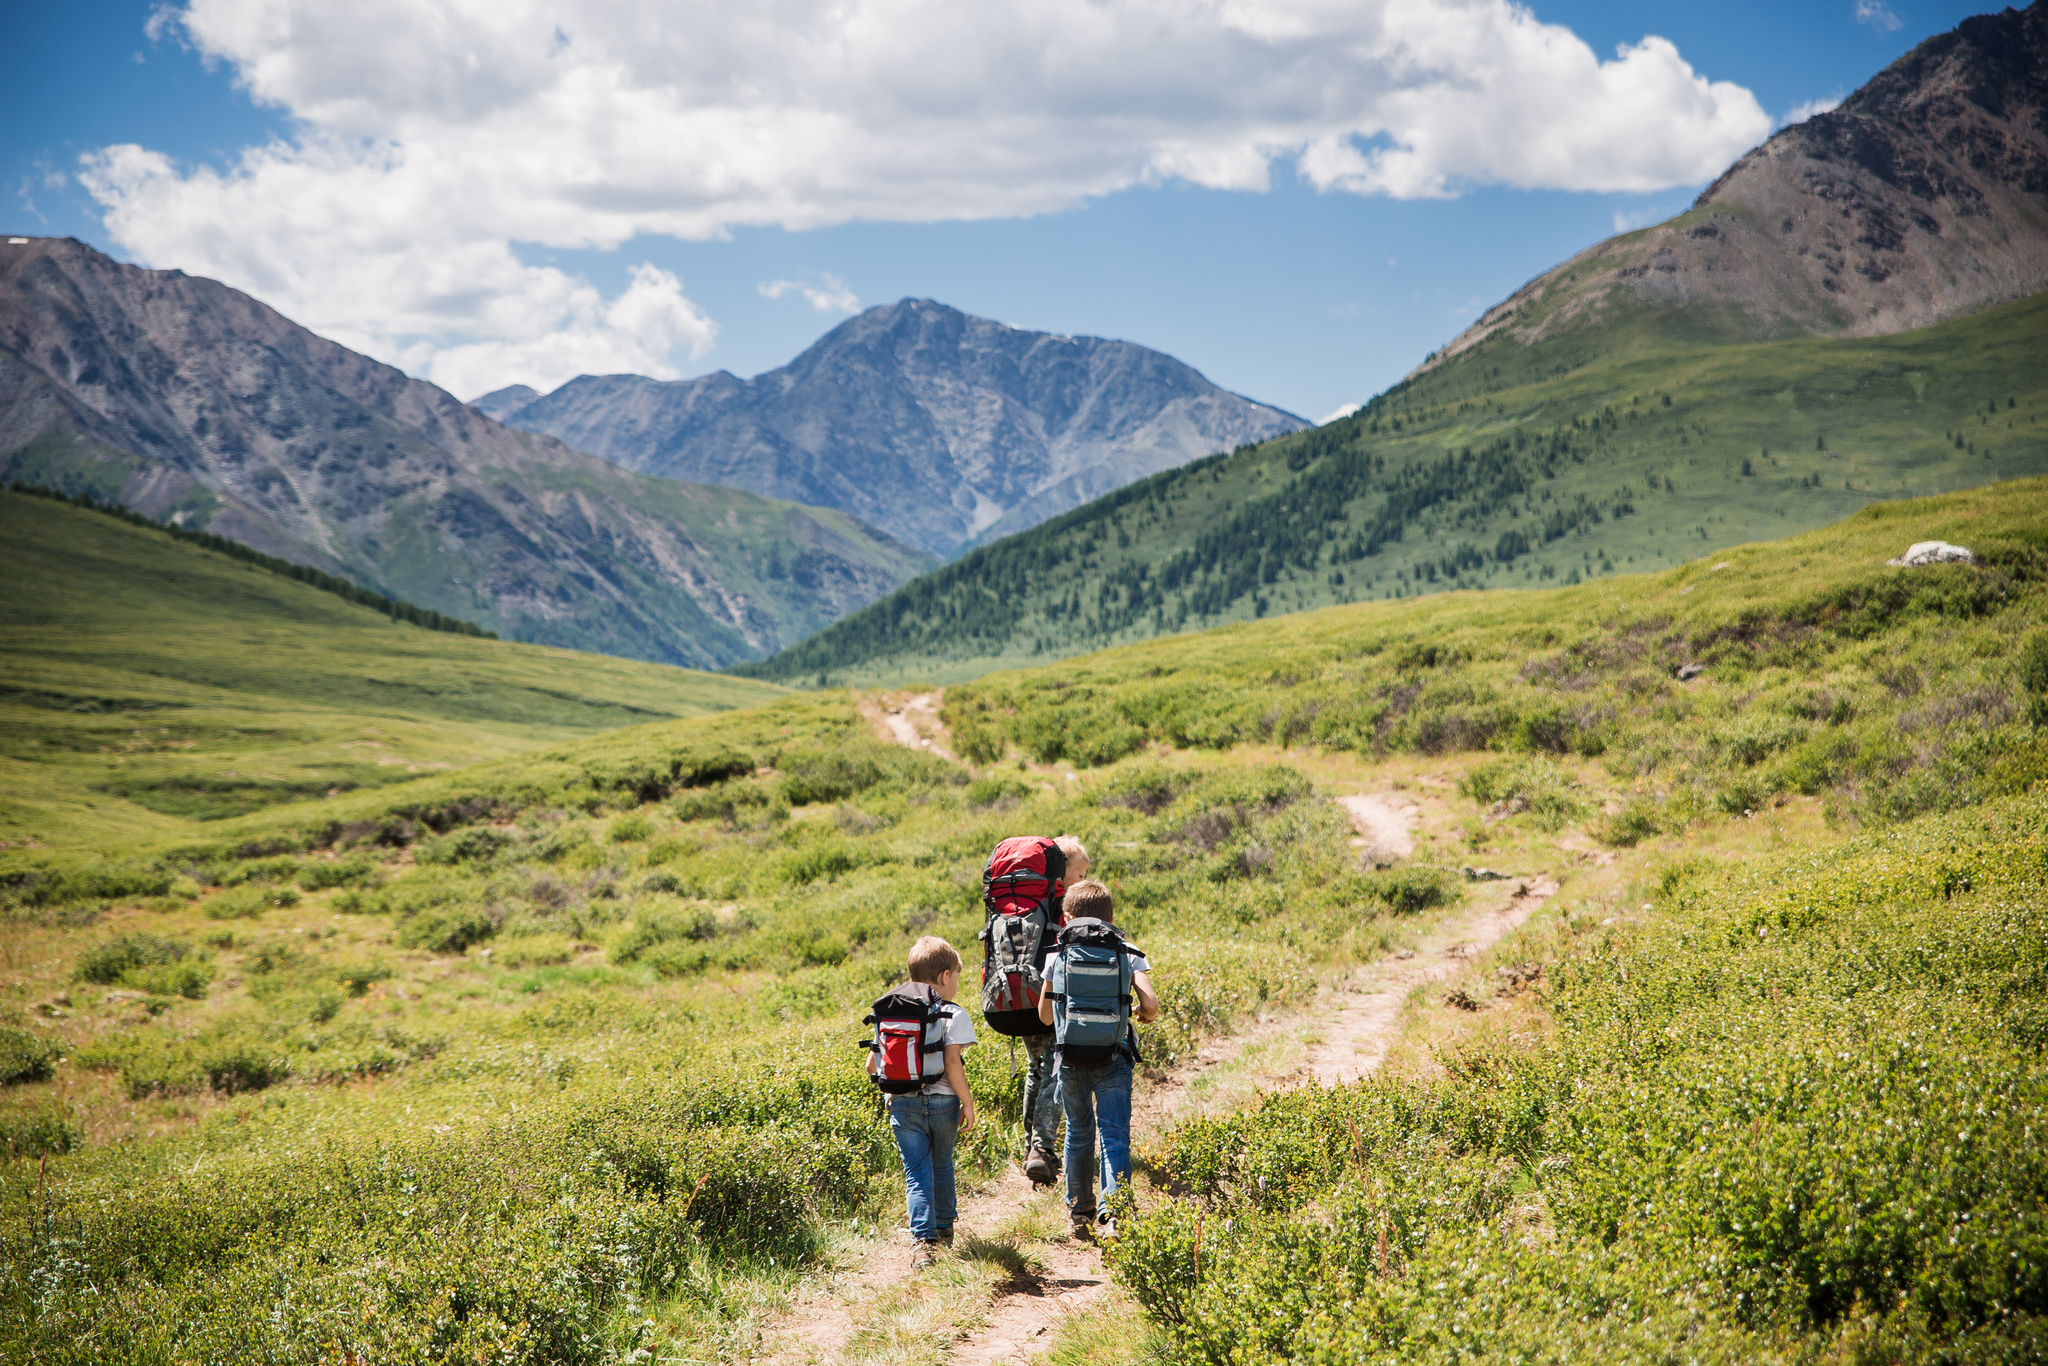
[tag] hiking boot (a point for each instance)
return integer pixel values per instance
(945, 1237)
(1039, 1167)
(927, 1254)
(1084, 1226)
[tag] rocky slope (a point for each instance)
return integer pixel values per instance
(943, 429)
(1922, 197)
(180, 396)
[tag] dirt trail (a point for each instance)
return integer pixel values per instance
(912, 722)
(1384, 824)
(1367, 1022)
(1362, 1021)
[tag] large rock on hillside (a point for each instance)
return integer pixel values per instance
(1922, 197)
(941, 428)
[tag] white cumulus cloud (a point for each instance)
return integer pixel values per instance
(431, 136)
(1800, 113)
(1878, 15)
(829, 296)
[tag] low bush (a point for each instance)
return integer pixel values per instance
(318, 875)
(109, 960)
(629, 829)
(446, 928)
(1789, 1117)
(25, 1057)
(653, 928)
(249, 901)
(188, 978)
(532, 950)
(39, 1131)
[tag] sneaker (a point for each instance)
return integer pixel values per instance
(1038, 1166)
(1105, 1228)
(927, 1254)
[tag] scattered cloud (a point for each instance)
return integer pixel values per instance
(162, 20)
(1878, 15)
(1800, 113)
(428, 139)
(1339, 414)
(829, 296)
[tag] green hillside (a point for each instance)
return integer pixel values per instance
(1597, 453)
(546, 1060)
(147, 682)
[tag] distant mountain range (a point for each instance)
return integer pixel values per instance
(1855, 312)
(182, 397)
(944, 430)
(1923, 196)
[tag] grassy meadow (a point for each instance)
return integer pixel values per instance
(548, 1058)
(1615, 451)
(145, 683)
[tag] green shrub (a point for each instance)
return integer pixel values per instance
(471, 844)
(812, 774)
(1535, 784)
(997, 790)
(358, 977)
(25, 1057)
(657, 927)
(279, 868)
(1636, 821)
(248, 901)
(319, 874)
(532, 950)
(446, 928)
(39, 1131)
(1407, 891)
(187, 977)
(630, 828)
(109, 960)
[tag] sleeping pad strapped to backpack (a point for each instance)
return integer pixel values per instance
(910, 1025)
(1092, 1019)
(1017, 892)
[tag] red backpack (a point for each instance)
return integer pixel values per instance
(909, 1025)
(1020, 892)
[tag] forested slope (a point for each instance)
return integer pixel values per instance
(1609, 452)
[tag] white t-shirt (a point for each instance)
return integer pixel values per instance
(959, 1030)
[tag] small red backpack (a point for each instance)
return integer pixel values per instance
(1020, 891)
(909, 1026)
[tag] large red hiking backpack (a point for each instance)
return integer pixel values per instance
(1018, 893)
(910, 1026)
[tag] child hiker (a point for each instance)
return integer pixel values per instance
(915, 1057)
(1096, 983)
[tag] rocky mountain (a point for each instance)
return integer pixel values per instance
(182, 397)
(1922, 197)
(943, 429)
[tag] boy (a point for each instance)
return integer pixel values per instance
(1097, 1097)
(928, 1123)
(1041, 1080)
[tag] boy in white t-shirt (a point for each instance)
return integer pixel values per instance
(929, 1122)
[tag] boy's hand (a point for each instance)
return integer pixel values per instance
(966, 1115)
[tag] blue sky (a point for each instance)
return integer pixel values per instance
(524, 237)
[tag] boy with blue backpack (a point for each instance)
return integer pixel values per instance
(1096, 984)
(914, 1057)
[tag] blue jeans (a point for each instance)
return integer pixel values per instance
(1096, 1099)
(926, 1128)
(1042, 1094)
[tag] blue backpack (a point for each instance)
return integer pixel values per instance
(1091, 1020)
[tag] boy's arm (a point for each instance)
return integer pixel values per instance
(1045, 1007)
(956, 1076)
(1148, 1003)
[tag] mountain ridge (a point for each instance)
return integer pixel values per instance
(1923, 196)
(182, 398)
(943, 429)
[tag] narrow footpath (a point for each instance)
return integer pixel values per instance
(1046, 1276)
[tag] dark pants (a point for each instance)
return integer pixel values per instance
(1042, 1095)
(1097, 1100)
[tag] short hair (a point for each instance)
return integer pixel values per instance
(932, 958)
(1071, 846)
(1088, 899)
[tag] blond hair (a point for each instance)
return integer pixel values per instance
(1088, 899)
(1076, 852)
(932, 958)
